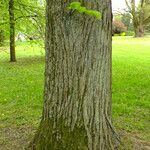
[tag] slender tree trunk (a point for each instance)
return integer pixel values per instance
(77, 99)
(12, 31)
(1, 38)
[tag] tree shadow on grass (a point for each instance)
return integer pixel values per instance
(26, 61)
(32, 60)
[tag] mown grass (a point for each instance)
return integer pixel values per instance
(131, 85)
(21, 86)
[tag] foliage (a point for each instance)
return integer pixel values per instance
(130, 33)
(4, 18)
(127, 21)
(29, 18)
(77, 6)
(118, 27)
(123, 34)
(120, 34)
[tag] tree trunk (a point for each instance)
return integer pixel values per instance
(77, 99)
(139, 31)
(12, 31)
(1, 38)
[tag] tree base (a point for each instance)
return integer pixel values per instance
(47, 138)
(63, 138)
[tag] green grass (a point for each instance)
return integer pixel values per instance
(131, 85)
(21, 86)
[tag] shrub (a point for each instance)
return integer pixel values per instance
(119, 27)
(130, 33)
(123, 34)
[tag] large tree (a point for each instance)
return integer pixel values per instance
(77, 99)
(140, 14)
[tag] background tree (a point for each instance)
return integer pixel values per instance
(12, 31)
(25, 17)
(127, 21)
(77, 99)
(140, 15)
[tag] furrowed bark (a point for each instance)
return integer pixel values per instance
(77, 99)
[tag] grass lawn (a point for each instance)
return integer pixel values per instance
(21, 92)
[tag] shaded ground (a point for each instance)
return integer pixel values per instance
(19, 138)
(15, 138)
(138, 144)
(132, 141)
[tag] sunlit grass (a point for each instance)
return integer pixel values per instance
(131, 85)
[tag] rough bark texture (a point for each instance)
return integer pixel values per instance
(77, 106)
(12, 31)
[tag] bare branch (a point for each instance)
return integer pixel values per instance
(29, 16)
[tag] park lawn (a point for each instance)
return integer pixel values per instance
(21, 90)
(131, 86)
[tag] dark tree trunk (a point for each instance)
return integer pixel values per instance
(77, 100)
(12, 31)
(1, 38)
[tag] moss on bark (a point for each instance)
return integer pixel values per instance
(60, 138)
